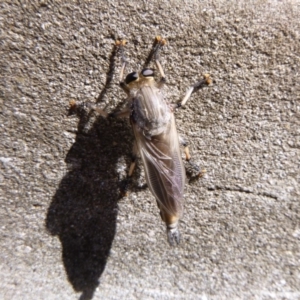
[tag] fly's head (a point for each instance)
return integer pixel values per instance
(136, 81)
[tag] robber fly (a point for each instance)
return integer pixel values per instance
(156, 137)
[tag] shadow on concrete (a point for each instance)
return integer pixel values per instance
(84, 209)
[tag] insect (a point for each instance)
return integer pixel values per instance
(156, 137)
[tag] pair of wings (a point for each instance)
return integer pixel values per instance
(164, 169)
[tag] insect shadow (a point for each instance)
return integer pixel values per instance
(84, 209)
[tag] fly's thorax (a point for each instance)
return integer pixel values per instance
(136, 81)
(149, 109)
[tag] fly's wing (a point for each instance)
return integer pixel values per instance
(165, 173)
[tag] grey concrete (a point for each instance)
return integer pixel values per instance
(63, 226)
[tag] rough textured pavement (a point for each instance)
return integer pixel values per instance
(63, 227)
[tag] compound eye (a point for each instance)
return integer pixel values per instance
(131, 77)
(148, 72)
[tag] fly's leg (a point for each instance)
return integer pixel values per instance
(74, 107)
(81, 108)
(193, 168)
(188, 157)
(158, 44)
(85, 108)
(127, 182)
(205, 81)
(121, 44)
(122, 113)
(126, 112)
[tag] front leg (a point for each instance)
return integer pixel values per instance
(160, 42)
(121, 44)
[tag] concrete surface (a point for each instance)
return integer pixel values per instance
(63, 226)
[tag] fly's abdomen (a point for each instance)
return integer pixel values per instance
(165, 173)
